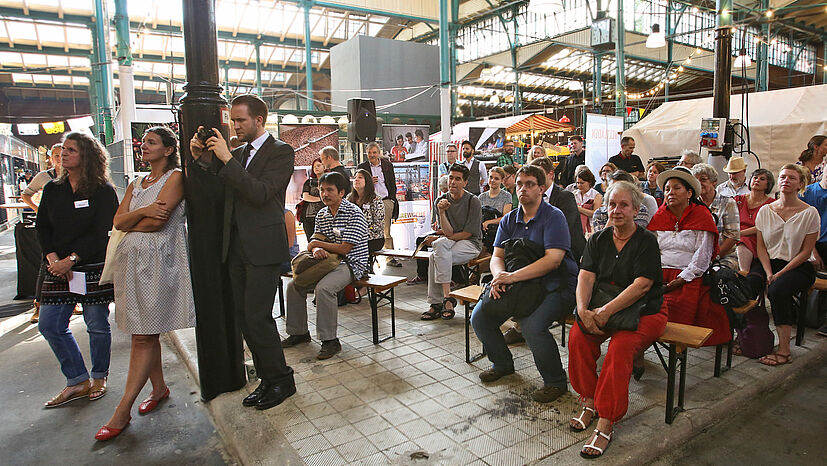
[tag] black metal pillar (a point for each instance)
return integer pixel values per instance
(220, 351)
(722, 84)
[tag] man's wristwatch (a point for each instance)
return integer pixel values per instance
(74, 258)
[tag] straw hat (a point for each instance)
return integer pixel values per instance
(735, 165)
(682, 173)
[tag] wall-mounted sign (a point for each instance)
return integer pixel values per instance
(56, 127)
(28, 129)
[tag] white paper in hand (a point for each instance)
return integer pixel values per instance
(77, 284)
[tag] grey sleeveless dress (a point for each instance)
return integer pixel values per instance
(153, 291)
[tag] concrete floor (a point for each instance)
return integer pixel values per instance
(784, 427)
(179, 432)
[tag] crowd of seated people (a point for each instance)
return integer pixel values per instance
(609, 251)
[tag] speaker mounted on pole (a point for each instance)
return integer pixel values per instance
(362, 116)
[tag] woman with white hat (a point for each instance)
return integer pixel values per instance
(688, 240)
(736, 167)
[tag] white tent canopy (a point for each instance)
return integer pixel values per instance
(780, 122)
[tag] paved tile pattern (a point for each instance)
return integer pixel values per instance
(378, 404)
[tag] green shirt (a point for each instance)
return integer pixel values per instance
(504, 160)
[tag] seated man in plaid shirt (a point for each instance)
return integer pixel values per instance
(344, 225)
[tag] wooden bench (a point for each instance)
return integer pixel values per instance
(476, 267)
(468, 297)
(678, 338)
(380, 287)
(808, 299)
(403, 253)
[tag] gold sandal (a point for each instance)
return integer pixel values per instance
(63, 397)
(98, 389)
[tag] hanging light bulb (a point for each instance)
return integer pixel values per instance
(742, 60)
(656, 39)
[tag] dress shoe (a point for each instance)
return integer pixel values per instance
(108, 433)
(149, 404)
(294, 340)
(274, 395)
(491, 375)
(329, 348)
(548, 393)
(253, 398)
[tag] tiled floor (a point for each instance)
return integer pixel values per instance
(379, 404)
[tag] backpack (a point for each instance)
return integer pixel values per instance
(489, 234)
(348, 296)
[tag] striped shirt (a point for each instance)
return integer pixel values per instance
(347, 226)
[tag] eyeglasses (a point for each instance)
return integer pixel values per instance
(451, 150)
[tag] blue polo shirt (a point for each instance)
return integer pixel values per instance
(816, 196)
(549, 228)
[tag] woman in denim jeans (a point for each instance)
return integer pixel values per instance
(73, 223)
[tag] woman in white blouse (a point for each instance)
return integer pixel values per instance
(587, 198)
(688, 240)
(787, 232)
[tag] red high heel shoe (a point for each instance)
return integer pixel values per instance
(108, 433)
(149, 404)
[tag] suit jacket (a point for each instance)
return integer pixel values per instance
(387, 172)
(564, 201)
(255, 198)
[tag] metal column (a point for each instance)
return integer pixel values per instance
(515, 44)
(762, 65)
(669, 45)
(620, 57)
(218, 336)
(722, 83)
(597, 81)
(445, 107)
(308, 65)
(257, 45)
(104, 70)
(127, 87)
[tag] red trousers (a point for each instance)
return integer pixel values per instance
(692, 305)
(610, 390)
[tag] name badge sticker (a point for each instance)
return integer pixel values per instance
(81, 204)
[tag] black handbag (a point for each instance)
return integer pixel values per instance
(625, 319)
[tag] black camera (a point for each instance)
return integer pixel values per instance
(203, 134)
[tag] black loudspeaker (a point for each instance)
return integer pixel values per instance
(362, 116)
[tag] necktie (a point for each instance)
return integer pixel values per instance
(246, 155)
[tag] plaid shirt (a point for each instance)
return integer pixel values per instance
(348, 226)
(505, 160)
(729, 225)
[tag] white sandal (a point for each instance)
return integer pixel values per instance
(579, 420)
(593, 447)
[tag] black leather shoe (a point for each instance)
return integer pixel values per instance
(294, 340)
(253, 398)
(329, 348)
(275, 395)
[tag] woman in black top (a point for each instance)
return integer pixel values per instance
(312, 201)
(626, 256)
(73, 223)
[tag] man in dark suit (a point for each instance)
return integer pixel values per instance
(255, 176)
(384, 183)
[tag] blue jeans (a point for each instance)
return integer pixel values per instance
(54, 326)
(535, 330)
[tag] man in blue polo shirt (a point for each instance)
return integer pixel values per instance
(543, 224)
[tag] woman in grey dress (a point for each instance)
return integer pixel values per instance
(153, 292)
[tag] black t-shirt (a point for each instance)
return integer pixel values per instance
(640, 257)
(630, 164)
